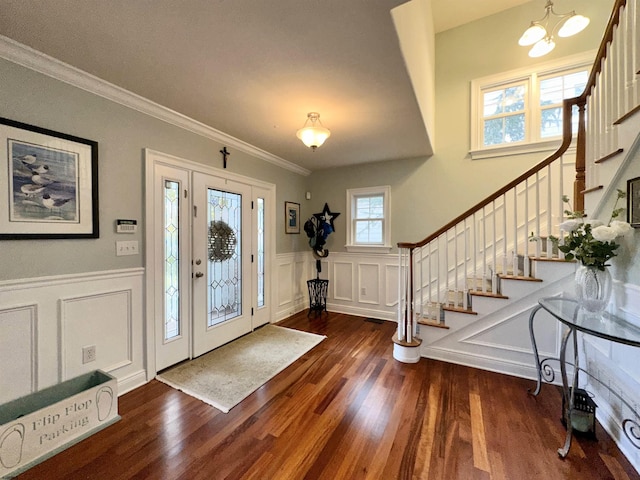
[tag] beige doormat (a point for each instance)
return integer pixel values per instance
(226, 376)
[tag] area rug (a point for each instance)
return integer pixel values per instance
(226, 376)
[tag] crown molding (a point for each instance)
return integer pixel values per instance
(28, 57)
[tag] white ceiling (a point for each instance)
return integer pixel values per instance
(253, 68)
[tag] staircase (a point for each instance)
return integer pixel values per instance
(467, 289)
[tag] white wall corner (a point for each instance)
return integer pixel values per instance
(413, 21)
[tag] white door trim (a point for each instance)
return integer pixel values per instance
(152, 158)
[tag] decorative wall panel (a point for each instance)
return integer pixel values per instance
(18, 351)
(102, 320)
(342, 281)
(43, 342)
(369, 283)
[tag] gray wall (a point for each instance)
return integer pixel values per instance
(122, 134)
(427, 193)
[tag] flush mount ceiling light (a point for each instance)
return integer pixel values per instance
(541, 37)
(313, 134)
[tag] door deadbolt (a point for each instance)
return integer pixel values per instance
(198, 262)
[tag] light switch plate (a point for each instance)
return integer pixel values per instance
(127, 248)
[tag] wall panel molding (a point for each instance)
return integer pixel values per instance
(343, 281)
(391, 286)
(369, 282)
(18, 350)
(109, 328)
(49, 281)
(94, 308)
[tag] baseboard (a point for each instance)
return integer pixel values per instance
(496, 365)
(131, 382)
(362, 312)
(612, 426)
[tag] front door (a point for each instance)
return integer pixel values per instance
(222, 286)
(210, 244)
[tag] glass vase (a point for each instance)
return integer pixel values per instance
(593, 288)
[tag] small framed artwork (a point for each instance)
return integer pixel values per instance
(49, 182)
(633, 202)
(291, 217)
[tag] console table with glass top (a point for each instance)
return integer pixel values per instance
(602, 325)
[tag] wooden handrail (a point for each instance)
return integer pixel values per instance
(614, 20)
(567, 106)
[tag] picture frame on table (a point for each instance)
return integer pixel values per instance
(51, 183)
(291, 217)
(633, 202)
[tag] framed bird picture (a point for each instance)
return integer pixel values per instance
(51, 183)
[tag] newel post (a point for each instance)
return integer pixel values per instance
(405, 343)
(579, 185)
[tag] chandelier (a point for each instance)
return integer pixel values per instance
(541, 36)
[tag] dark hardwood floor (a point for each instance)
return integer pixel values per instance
(345, 410)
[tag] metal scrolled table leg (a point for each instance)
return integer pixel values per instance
(569, 394)
(535, 351)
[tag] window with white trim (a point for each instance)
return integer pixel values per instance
(521, 111)
(368, 219)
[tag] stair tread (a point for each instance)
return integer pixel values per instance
(520, 277)
(432, 323)
(450, 308)
(551, 259)
(479, 293)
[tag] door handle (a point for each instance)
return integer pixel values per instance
(199, 274)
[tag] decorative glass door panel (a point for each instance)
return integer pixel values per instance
(224, 296)
(262, 225)
(172, 320)
(260, 252)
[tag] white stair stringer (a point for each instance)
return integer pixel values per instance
(497, 338)
(609, 173)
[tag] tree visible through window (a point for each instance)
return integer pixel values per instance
(513, 111)
(504, 118)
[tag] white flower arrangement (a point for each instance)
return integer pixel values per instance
(591, 242)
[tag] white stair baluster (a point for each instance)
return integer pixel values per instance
(504, 236)
(526, 229)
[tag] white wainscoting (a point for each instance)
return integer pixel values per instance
(618, 367)
(364, 284)
(359, 284)
(45, 322)
(290, 291)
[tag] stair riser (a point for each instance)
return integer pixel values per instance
(551, 271)
(485, 305)
(518, 288)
